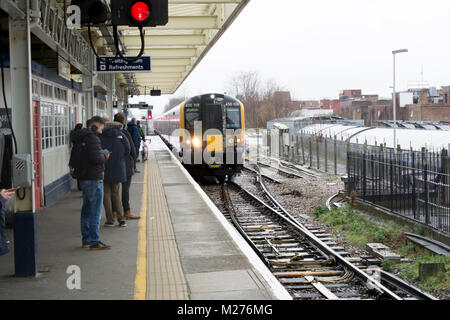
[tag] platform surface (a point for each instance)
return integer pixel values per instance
(179, 249)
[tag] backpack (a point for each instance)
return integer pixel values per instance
(77, 162)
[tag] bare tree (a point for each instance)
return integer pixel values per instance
(173, 102)
(263, 100)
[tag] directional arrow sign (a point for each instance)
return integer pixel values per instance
(117, 65)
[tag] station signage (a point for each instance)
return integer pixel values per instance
(140, 106)
(117, 65)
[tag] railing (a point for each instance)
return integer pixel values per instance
(409, 183)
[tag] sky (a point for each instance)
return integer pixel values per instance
(316, 48)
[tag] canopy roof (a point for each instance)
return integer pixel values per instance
(177, 48)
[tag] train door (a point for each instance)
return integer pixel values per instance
(37, 153)
(212, 119)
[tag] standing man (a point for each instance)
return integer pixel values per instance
(135, 135)
(129, 163)
(115, 171)
(87, 162)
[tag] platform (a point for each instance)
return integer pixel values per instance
(182, 248)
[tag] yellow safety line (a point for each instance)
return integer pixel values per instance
(140, 282)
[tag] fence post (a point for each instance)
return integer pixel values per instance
(446, 171)
(297, 156)
(326, 154)
(391, 176)
(414, 192)
(269, 143)
(364, 172)
(317, 152)
(280, 147)
(425, 182)
(303, 149)
(310, 152)
(348, 151)
(335, 155)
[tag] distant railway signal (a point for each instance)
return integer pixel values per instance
(149, 115)
(139, 13)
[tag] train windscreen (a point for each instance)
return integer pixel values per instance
(191, 115)
(233, 118)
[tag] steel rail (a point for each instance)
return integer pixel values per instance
(406, 287)
(325, 248)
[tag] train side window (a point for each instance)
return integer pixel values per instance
(191, 115)
(233, 118)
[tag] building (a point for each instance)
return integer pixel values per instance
(424, 104)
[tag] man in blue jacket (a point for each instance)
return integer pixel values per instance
(115, 171)
(136, 136)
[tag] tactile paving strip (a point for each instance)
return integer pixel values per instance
(165, 277)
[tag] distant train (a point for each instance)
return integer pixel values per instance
(195, 129)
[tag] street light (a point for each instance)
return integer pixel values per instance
(395, 98)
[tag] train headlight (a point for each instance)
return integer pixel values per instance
(196, 142)
(230, 141)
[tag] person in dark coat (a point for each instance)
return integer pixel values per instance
(78, 127)
(90, 175)
(115, 172)
(5, 195)
(129, 162)
(136, 136)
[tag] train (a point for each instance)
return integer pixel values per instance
(207, 134)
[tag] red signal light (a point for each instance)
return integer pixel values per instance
(149, 117)
(140, 11)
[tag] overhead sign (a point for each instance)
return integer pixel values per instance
(117, 65)
(140, 106)
(63, 68)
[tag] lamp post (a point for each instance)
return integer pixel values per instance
(394, 98)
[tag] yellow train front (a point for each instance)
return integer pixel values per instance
(207, 133)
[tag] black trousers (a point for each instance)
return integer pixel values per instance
(126, 194)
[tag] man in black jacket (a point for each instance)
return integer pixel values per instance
(90, 172)
(115, 171)
(129, 162)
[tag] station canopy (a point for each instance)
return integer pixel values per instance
(178, 47)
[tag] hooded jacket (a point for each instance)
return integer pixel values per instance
(135, 135)
(95, 157)
(117, 143)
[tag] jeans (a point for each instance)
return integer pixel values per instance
(91, 212)
(3, 246)
(126, 194)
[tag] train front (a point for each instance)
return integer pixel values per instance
(212, 142)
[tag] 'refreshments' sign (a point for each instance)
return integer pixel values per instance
(117, 65)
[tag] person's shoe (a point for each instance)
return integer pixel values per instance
(85, 245)
(129, 216)
(136, 171)
(109, 224)
(122, 223)
(99, 246)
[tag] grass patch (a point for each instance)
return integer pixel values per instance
(359, 230)
(332, 178)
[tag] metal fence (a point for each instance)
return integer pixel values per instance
(409, 183)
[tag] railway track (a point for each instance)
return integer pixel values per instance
(304, 258)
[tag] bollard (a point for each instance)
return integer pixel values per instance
(25, 244)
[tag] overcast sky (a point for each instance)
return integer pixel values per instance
(315, 48)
